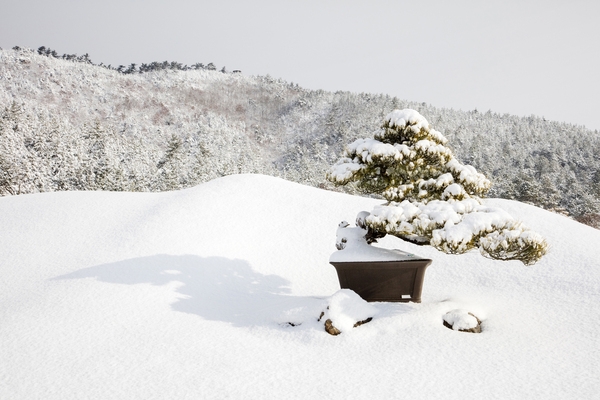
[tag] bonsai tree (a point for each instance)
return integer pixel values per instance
(431, 197)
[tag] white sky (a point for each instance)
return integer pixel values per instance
(519, 57)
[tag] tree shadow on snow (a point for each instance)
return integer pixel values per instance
(214, 288)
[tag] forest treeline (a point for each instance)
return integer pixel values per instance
(131, 68)
(67, 124)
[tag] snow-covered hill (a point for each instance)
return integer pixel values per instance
(68, 125)
(186, 295)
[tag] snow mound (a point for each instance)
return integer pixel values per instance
(167, 295)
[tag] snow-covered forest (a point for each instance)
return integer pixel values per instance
(67, 124)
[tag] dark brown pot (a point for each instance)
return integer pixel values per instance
(384, 280)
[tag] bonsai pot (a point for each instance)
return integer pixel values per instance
(375, 273)
(399, 280)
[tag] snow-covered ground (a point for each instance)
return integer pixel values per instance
(188, 295)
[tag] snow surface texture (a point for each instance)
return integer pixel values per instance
(189, 294)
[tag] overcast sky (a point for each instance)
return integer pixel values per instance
(519, 57)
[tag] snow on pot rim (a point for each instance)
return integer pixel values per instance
(354, 248)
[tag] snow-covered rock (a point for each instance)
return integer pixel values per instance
(462, 320)
(346, 310)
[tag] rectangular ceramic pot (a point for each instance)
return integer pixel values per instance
(398, 281)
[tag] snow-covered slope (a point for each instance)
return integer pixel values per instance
(186, 295)
(75, 126)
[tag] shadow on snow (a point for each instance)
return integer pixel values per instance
(214, 288)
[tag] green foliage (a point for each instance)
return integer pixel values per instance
(407, 160)
(432, 198)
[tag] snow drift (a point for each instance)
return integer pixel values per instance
(190, 294)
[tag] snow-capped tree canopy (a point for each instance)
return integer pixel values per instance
(407, 160)
(432, 198)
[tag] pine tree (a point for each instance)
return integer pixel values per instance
(16, 172)
(432, 198)
(170, 166)
(100, 169)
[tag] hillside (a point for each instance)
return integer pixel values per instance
(69, 125)
(187, 294)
